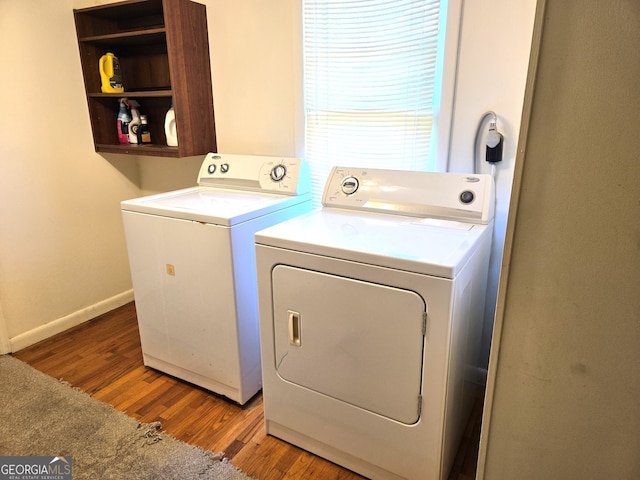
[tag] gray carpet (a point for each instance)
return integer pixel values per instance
(42, 416)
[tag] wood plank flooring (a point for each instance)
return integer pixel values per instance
(103, 357)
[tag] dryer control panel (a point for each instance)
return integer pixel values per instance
(449, 196)
(254, 172)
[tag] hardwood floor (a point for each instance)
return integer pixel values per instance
(103, 357)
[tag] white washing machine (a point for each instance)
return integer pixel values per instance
(192, 260)
(370, 316)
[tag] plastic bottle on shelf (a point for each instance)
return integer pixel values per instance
(170, 128)
(123, 122)
(110, 74)
(134, 125)
(144, 134)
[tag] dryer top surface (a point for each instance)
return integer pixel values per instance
(422, 245)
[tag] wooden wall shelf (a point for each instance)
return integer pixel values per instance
(163, 50)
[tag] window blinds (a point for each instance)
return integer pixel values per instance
(369, 84)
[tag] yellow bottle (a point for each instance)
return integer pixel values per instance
(110, 74)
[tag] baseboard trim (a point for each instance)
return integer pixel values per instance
(59, 325)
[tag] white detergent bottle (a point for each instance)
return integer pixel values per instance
(170, 128)
(134, 124)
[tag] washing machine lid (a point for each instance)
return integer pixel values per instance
(219, 206)
(421, 245)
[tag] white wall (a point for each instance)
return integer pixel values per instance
(61, 250)
(564, 376)
(62, 256)
(494, 53)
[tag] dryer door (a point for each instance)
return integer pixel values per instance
(358, 342)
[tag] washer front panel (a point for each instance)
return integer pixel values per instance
(172, 285)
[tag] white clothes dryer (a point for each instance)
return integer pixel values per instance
(370, 315)
(192, 259)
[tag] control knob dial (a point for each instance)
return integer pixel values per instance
(349, 185)
(278, 173)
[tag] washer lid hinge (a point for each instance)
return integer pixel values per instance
(424, 323)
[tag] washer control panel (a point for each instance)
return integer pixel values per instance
(449, 196)
(255, 172)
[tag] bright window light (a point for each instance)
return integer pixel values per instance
(372, 71)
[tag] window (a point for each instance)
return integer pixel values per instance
(373, 84)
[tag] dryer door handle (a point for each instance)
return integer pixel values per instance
(294, 328)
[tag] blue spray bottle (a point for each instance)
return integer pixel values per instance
(123, 122)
